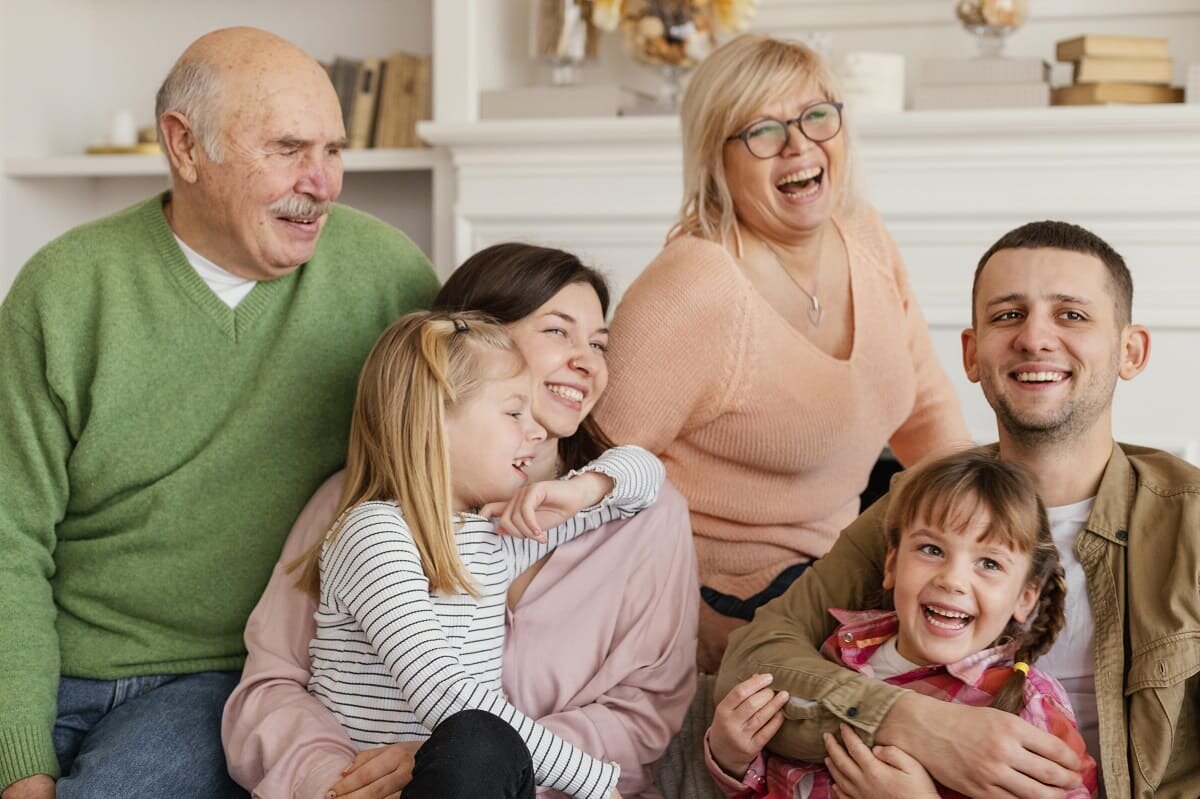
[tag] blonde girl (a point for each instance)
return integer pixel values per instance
(411, 580)
(978, 595)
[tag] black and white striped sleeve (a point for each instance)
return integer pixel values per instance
(373, 569)
(637, 477)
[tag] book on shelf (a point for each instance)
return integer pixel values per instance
(957, 71)
(1111, 47)
(405, 97)
(1099, 69)
(1104, 93)
(361, 128)
(345, 82)
(989, 95)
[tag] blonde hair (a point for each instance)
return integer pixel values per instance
(422, 366)
(724, 94)
(947, 493)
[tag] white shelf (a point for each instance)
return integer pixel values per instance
(82, 166)
(1006, 123)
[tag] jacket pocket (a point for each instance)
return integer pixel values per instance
(1161, 688)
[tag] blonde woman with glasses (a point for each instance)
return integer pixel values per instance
(774, 347)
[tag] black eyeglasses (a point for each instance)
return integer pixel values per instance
(768, 137)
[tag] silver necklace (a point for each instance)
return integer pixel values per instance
(815, 309)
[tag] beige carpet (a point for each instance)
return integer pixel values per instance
(682, 774)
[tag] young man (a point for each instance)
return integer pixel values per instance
(1051, 334)
(175, 381)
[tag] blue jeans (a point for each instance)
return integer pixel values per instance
(143, 736)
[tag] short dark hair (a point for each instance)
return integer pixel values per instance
(1057, 235)
(510, 281)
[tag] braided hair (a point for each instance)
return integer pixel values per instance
(1047, 621)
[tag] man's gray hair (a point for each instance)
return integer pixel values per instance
(192, 88)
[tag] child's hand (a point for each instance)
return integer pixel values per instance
(538, 507)
(743, 723)
(884, 772)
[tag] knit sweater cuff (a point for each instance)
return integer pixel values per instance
(24, 752)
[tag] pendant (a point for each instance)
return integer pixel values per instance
(815, 311)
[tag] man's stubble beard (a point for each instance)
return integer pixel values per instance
(1067, 422)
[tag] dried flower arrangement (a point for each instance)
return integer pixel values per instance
(676, 33)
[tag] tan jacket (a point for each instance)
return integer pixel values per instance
(1141, 552)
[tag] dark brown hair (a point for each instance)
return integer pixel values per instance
(510, 281)
(1071, 238)
(946, 493)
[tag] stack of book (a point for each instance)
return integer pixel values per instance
(1117, 69)
(982, 83)
(382, 99)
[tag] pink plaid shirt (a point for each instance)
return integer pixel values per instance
(974, 680)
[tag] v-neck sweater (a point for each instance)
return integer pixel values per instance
(155, 446)
(769, 438)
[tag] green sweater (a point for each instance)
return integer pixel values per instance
(156, 445)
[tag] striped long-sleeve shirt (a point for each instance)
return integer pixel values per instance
(391, 661)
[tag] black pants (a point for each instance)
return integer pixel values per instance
(472, 755)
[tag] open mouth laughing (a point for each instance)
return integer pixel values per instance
(571, 396)
(1032, 375)
(946, 618)
(801, 184)
(521, 464)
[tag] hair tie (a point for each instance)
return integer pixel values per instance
(1022, 667)
(460, 326)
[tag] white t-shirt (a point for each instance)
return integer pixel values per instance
(887, 662)
(230, 288)
(1072, 658)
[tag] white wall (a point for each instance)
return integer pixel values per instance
(947, 184)
(609, 189)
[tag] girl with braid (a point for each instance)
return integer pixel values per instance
(978, 595)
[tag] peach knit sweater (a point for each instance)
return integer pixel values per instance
(770, 439)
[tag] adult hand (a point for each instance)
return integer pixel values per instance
(980, 751)
(539, 506)
(743, 723)
(377, 773)
(39, 786)
(883, 773)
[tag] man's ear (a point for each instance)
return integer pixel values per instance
(889, 570)
(1026, 601)
(1135, 351)
(968, 355)
(180, 144)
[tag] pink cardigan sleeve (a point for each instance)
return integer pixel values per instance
(280, 741)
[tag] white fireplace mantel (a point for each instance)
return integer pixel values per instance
(947, 183)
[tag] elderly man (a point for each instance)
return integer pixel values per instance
(175, 381)
(1051, 335)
